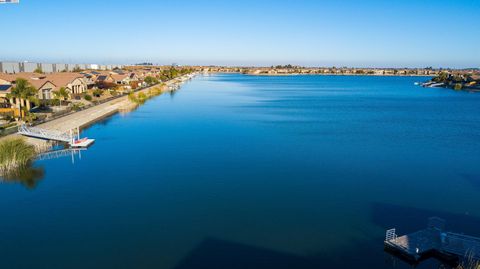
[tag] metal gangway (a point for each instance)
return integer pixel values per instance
(71, 137)
(36, 132)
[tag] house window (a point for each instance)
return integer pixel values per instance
(46, 94)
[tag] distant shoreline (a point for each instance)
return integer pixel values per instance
(332, 74)
(320, 74)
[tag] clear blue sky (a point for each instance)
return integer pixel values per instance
(315, 33)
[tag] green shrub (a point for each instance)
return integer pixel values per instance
(30, 117)
(87, 97)
(54, 102)
(97, 92)
(77, 106)
(132, 97)
(151, 80)
(142, 96)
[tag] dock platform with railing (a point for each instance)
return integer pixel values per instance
(433, 241)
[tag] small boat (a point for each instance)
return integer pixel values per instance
(436, 85)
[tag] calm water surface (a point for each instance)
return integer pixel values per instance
(237, 171)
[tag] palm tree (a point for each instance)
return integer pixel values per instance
(23, 90)
(62, 93)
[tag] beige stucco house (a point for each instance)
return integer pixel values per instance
(45, 91)
(74, 83)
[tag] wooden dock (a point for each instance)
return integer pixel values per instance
(435, 242)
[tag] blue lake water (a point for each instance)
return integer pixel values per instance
(236, 171)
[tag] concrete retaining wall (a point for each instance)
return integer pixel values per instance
(16, 67)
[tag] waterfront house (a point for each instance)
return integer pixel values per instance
(121, 79)
(5, 105)
(104, 81)
(45, 90)
(5, 89)
(104, 78)
(46, 85)
(6, 85)
(90, 78)
(40, 82)
(74, 83)
(128, 80)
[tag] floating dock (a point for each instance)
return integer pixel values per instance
(82, 143)
(434, 242)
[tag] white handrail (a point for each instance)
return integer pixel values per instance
(45, 134)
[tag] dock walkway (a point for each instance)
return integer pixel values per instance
(72, 137)
(433, 241)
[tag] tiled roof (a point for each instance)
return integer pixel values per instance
(38, 80)
(119, 77)
(63, 79)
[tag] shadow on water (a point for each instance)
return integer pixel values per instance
(410, 219)
(213, 253)
(173, 93)
(28, 176)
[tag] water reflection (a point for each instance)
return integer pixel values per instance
(29, 176)
(61, 153)
(173, 93)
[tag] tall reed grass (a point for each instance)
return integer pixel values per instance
(469, 262)
(15, 153)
